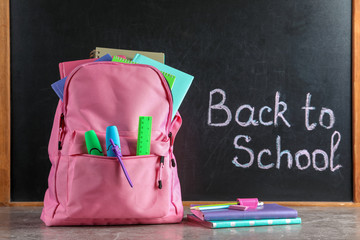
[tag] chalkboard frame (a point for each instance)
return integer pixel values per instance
(5, 113)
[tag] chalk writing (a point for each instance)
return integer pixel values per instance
(279, 157)
(280, 108)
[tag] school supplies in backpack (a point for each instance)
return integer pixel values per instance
(144, 135)
(112, 133)
(93, 190)
(92, 143)
(170, 78)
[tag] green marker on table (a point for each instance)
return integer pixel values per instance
(93, 143)
(144, 136)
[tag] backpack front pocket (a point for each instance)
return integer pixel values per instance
(98, 188)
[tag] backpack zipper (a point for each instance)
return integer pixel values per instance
(171, 139)
(61, 130)
(162, 160)
(173, 164)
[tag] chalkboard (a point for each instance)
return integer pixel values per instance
(268, 114)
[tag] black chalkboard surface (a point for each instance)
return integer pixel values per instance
(268, 114)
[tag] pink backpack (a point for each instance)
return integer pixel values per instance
(93, 190)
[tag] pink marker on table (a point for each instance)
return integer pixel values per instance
(251, 203)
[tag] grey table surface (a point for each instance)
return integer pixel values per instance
(317, 223)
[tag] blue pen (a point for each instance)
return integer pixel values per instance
(117, 152)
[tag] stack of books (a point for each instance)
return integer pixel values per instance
(263, 215)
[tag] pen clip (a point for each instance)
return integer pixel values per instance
(117, 152)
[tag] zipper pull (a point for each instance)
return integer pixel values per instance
(162, 160)
(61, 120)
(61, 129)
(171, 139)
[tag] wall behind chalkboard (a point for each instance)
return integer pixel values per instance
(268, 114)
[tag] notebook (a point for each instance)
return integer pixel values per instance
(181, 85)
(268, 211)
(169, 78)
(243, 223)
(129, 54)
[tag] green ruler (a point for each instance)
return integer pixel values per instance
(144, 136)
(123, 60)
(169, 77)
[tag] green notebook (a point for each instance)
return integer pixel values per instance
(181, 85)
(169, 78)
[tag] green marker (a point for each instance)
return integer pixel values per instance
(144, 136)
(93, 143)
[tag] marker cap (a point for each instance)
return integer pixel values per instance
(92, 143)
(252, 203)
(112, 133)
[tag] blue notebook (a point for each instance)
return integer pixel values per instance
(244, 223)
(58, 86)
(181, 85)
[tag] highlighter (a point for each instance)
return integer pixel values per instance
(112, 133)
(93, 144)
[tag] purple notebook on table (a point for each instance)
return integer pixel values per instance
(268, 211)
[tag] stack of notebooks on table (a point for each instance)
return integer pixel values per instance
(264, 215)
